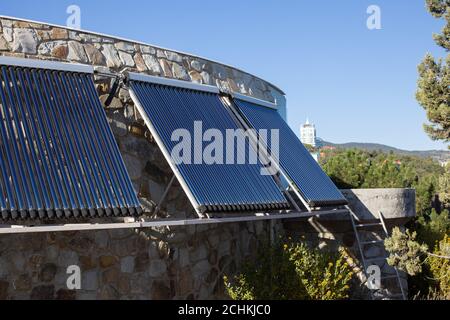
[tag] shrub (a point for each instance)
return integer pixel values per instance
(440, 267)
(288, 270)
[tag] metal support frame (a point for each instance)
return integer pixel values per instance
(171, 82)
(164, 195)
(20, 229)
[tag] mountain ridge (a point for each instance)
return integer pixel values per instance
(440, 155)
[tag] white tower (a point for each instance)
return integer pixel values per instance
(308, 133)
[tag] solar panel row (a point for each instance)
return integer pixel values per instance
(59, 157)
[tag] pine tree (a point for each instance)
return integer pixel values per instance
(433, 92)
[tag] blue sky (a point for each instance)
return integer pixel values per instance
(355, 84)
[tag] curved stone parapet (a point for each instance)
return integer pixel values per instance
(29, 39)
(393, 203)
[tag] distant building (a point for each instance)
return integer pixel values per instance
(308, 134)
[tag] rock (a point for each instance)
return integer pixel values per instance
(206, 78)
(123, 248)
(166, 68)
(4, 45)
(46, 48)
(101, 239)
(173, 56)
(110, 276)
(111, 55)
(60, 52)
(179, 72)
(126, 58)
(89, 280)
(160, 54)
(93, 38)
(224, 248)
(94, 55)
(152, 64)
(133, 165)
(127, 264)
(6, 23)
(195, 77)
(48, 272)
(4, 290)
(23, 283)
(25, 41)
(107, 261)
(157, 268)
(201, 269)
(219, 71)
(213, 239)
(117, 123)
(156, 190)
(43, 293)
(160, 291)
(76, 52)
(87, 263)
(59, 34)
(125, 46)
(141, 262)
(183, 256)
(148, 50)
(196, 65)
(200, 253)
(184, 282)
(8, 34)
(64, 294)
(124, 285)
(232, 84)
(140, 63)
(68, 258)
(108, 292)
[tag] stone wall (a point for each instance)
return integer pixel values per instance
(42, 41)
(183, 263)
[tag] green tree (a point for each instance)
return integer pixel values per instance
(433, 92)
(444, 187)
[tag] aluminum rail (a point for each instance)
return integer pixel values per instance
(20, 229)
(44, 64)
(254, 100)
(172, 82)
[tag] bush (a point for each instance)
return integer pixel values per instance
(291, 271)
(440, 267)
(433, 228)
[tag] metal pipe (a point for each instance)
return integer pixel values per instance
(16, 229)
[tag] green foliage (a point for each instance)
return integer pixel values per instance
(291, 271)
(433, 228)
(433, 95)
(405, 251)
(362, 169)
(441, 9)
(440, 267)
(433, 92)
(444, 187)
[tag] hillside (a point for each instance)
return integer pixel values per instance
(440, 155)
